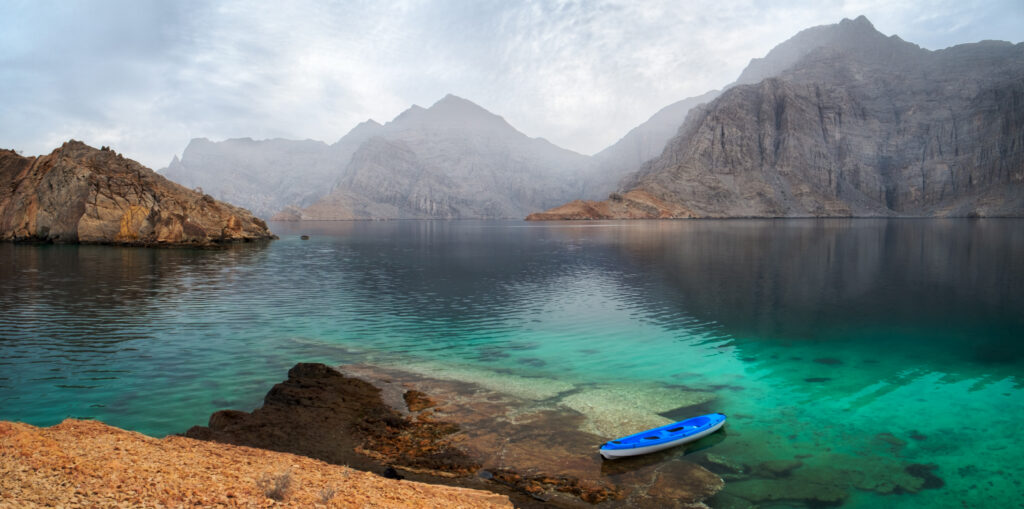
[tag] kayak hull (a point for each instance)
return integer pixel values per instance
(662, 438)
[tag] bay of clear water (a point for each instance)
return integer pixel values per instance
(857, 346)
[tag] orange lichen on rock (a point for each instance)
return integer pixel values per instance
(89, 464)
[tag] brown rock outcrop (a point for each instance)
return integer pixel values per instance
(468, 437)
(89, 464)
(320, 413)
(81, 194)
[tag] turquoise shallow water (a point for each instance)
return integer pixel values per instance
(860, 347)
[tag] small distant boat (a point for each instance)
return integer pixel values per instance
(658, 439)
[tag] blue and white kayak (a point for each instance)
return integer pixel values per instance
(657, 439)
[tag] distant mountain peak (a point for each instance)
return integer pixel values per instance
(856, 34)
(367, 126)
(454, 99)
(452, 111)
(464, 108)
(859, 20)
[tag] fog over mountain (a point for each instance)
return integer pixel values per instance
(452, 160)
(838, 120)
(266, 176)
(842, 120)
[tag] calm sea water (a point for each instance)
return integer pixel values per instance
(857, 346)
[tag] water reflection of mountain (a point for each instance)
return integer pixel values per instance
(103, 294)
(960, 282)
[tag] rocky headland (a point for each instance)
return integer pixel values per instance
(80, 194)
(842, 120)
(89, 464)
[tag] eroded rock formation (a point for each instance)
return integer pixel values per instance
(81, 194)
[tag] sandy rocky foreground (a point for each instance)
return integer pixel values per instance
(89, 464)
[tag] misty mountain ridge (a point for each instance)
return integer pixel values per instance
(456, 159)
(859, 125)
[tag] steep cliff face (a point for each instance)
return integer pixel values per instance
(266, 176)
(81, 194)
(641, 144)
(866, 126)
(452, 160)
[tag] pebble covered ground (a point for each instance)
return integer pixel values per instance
(89, 464)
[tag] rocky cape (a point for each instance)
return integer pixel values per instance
(842, 120)
(79, 194)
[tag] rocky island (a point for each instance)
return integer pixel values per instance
(80, 194)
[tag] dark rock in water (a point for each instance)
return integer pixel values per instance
(890, 440)
(533, 362)
(721, 464)
(828, 361)
(78, 194)
(916, 435)
(777, 468)
(766, 491)
(304, 237)
(492, 354)
(391, 473)
(925, 473)
(539, 486)
(417, 400)
(320, 413)
(816, 379)
(681, 480)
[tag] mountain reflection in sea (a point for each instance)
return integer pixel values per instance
(850, 346)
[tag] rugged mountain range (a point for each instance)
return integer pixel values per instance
(452, 160)
(843, 121)
(81, 194)
(266, 176)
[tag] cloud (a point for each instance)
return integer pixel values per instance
(146, 76)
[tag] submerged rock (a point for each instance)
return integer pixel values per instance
(543, 449)
(761, 491)
(417, 400)
(618, 410)
(777, 468)
(78, 194)
(925, 473)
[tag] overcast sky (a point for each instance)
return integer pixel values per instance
(146, 76)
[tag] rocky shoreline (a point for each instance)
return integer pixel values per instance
(89, 464)
(531, 442)
(457, 434)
